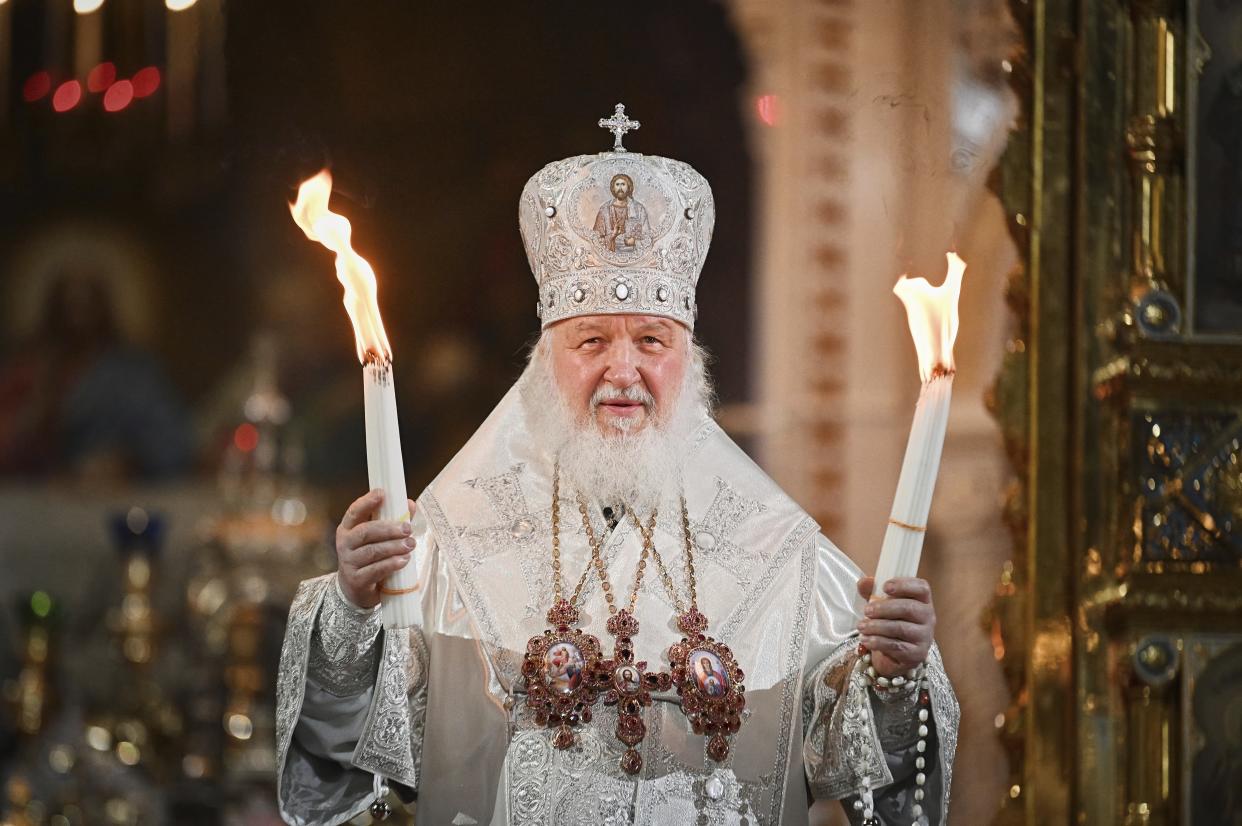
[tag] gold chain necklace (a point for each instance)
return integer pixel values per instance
(569, 608)
(561, 664)
(565, 671)
(670, 589)
(626, 683)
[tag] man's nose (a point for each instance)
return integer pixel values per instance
(622, 365)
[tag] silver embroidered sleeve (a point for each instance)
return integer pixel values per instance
(343, 652)
(330, 738)
(856, 739)
(896, 715)
(841, 745)
(391, 741)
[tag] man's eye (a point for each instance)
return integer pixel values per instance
(650, 340)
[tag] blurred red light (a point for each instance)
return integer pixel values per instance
(101, 77)
(67, 96)
(36, 86)
(118, 96)
(246, 437)
(146, 81)
(766, 106)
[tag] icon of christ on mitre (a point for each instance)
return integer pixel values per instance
(620, 618)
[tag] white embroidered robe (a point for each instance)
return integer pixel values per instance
(438, 710)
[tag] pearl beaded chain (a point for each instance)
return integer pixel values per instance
(865, 672)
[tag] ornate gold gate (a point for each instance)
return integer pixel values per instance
(1118, 622)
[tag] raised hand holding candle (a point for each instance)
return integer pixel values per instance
(311, 213)
(932, 315)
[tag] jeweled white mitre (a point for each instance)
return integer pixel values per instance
(617, 232)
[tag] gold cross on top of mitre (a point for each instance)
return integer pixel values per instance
(618, 125)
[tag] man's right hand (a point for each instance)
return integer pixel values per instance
(369, 551)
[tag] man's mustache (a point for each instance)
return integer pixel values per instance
(634, 393)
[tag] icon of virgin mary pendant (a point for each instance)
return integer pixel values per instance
(709, 682)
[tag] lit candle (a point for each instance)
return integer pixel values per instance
(932, 315)
(311, 213)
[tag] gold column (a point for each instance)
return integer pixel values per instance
(1153, 139)
(1150, 698)
(1031, 617)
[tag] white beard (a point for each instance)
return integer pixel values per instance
(611, 466)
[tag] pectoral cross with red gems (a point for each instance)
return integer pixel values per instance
(628, 685)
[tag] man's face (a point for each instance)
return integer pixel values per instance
(614, 353)
(620, 188)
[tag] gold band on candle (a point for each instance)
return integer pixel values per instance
(907, 526)
(396, 592)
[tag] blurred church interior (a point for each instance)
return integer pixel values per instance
(180, 421)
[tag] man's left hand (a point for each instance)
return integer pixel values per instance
(899, 625)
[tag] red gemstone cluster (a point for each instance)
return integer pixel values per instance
(563, 614)
(692, 622)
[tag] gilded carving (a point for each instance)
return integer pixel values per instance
(1123, 425)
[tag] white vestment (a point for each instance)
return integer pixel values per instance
(439, 710)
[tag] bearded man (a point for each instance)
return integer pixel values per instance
(600, 513)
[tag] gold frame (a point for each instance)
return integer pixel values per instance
(1089, 617)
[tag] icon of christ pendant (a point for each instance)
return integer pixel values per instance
(628, 685)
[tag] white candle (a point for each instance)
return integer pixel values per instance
(907, 523)
(385, 471)
(311, 213)
(932, 315)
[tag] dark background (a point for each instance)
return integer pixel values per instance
(431, 117)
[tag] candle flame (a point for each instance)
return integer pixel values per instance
(932, 315)
(311, 213)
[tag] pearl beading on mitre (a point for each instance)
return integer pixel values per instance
(648, 292)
